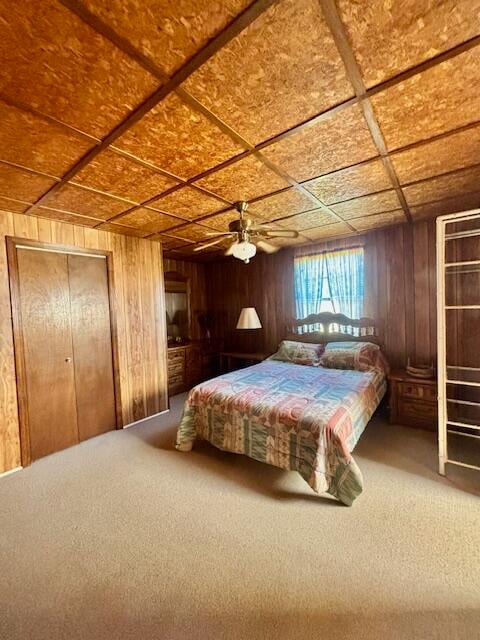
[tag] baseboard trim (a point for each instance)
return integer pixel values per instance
(7, 473)
(132, 424)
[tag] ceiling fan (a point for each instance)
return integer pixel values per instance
(247, 236)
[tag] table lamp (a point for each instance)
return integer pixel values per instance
(248, 319)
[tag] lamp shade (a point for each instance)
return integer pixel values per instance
(248, 319)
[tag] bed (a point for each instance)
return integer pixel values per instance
(301, 417)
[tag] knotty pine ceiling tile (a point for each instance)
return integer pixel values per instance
(54, 62)
(22, 185)
(220, 221)
(148, 220)
(341, 140)
(432, 102)
(246, 179)
(188, 203)
(78, 200)
(283, 204)
(193, 232)
(65, 216)
(308, 220)
(390, 37)
(116, 174)
(328, 231)
(169, 33)
(281, 70)
(449, 153)
(367, 205)
(287, 242)
(38, 144)
(16, 206)
(451, 205)
(379, 220)
(351, 182)
(441, 187)
(174, 137)
(169, 243)
(112, 227)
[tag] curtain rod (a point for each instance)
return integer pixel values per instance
(318, 253)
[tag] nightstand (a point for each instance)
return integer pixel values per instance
(227, 358)
(413, 401)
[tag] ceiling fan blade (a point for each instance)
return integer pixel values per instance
(281, 233)
(229, 251)
(266, 246)
(221, 233)
(205, 245)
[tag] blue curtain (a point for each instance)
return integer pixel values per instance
(308, 274)
(345, 272)
(346, 279)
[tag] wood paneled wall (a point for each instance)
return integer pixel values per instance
(400, 292)
(195, 272)
(140, 313)
(266, 283)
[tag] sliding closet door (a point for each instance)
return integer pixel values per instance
(92, 344)
(48, 353)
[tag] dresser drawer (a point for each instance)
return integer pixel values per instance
(423, 411)
(176, 367)
(176, 378)
(417, 391)
(176, 355)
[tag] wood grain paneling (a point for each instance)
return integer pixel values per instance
(140, 311)
(196, 274)
(265, 284)
(399, 292)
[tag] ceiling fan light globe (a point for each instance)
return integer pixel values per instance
(244, 250)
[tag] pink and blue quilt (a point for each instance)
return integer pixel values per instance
(295, 417)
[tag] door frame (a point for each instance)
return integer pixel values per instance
(18, 343)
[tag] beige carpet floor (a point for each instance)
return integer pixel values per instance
(122, 537)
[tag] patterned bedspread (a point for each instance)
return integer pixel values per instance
(302, 418)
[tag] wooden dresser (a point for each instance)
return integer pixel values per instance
(413, 401)
(189, 364)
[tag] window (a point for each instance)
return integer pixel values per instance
(330, 281)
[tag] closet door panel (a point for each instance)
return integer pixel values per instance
(47, 338)
(92, 345)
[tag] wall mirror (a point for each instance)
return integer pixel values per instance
(177, 303)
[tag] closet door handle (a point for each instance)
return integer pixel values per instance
(68, 359)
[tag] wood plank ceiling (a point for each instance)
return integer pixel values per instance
(150, 118)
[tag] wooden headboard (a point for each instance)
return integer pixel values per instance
(334, 327)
